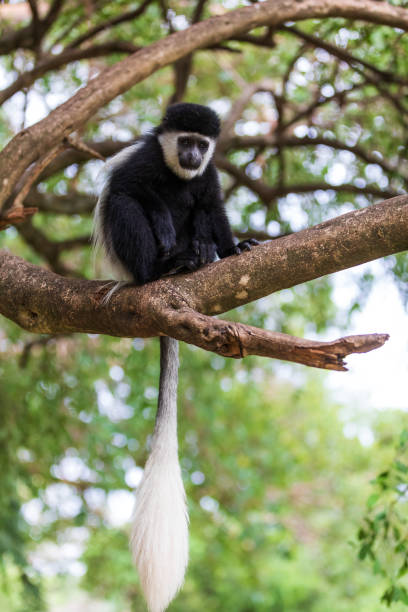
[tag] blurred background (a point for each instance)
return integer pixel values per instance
(296, 479)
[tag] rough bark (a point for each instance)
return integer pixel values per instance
(33, 142)
(43, 302)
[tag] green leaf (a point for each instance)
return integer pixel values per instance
(372, 500)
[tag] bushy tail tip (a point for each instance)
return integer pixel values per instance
(159, 540)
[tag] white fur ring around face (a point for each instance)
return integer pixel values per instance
(169, 144)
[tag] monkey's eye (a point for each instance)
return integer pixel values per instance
(203, 146)
(185, 142)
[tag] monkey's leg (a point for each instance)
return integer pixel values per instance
(132, 237)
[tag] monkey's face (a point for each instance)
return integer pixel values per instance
(191, 151)
(186, 153)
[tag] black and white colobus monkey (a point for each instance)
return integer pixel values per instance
(161, 211)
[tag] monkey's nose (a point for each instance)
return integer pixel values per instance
(193, 160)
(190, 161)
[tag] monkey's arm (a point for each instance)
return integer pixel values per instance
(161, 221)
(223, 235)
(218, 221)
(211, 225)
(203, 245)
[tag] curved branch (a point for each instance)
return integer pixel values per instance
(71, 204)
(344, 55)
(340, 97)
(54, 62)
(129, 16)
(31, 143)
(41, 301)
(267, 194)
(35, 18)
(282, 140)
(29, 36)
(32, 173)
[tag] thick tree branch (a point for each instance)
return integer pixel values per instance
(182, 69)
(31, 143)
(237, 340)
(43, 302)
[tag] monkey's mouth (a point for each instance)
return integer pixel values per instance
(190, 162)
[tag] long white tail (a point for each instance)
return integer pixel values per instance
(159, 539)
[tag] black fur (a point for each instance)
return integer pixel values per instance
(186, 117)
(158, 223)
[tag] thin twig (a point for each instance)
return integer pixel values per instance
(33, 172)
(130, 15)
(14, 217)
(42, 341)
(80, 145)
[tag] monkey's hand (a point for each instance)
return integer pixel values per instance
(205, 251)
(237, 249)
(166, 244)
(246, 245)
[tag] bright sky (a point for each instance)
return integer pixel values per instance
(378, 379)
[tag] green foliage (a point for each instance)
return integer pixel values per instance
(266, 466)
(382, 537)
